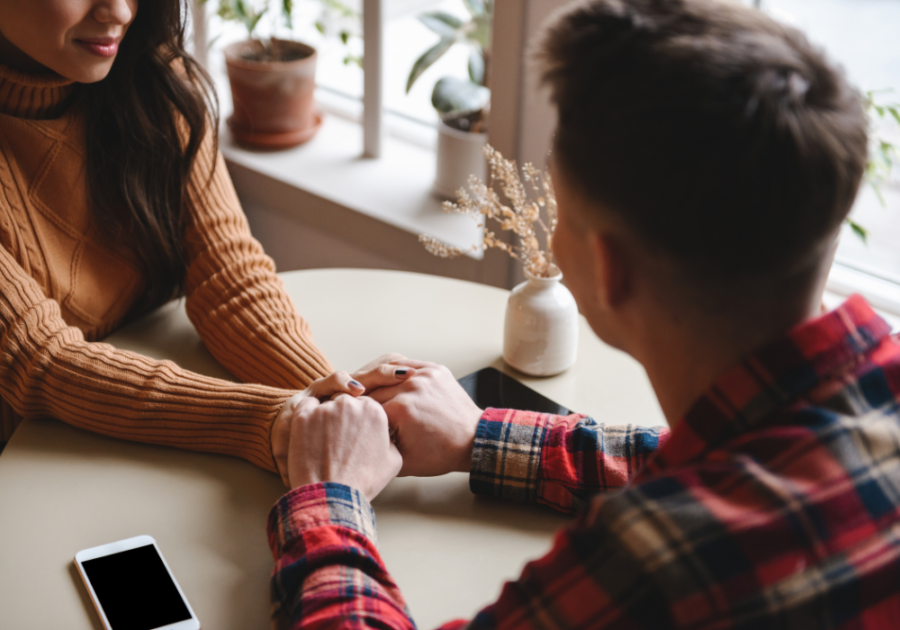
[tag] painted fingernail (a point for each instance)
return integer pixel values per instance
(402, 371)
(356, 385)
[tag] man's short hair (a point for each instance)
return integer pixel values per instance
(722, 137)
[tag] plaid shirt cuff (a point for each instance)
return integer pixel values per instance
(319, 505)
(507, 454)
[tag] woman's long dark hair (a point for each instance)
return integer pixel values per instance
(145, 123)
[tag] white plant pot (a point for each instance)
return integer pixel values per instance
(459, 154)
(541, 333)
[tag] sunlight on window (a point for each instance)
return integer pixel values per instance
(334, 29)
(861, 35)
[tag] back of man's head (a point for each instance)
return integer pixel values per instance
(721, 137)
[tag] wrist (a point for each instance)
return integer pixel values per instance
(464, 462)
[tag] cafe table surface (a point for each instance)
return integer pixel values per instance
(63, 489)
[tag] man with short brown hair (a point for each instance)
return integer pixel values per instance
(704, 160)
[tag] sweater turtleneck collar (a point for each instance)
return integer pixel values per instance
(36, 96)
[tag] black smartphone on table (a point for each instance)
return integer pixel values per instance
(489, 387)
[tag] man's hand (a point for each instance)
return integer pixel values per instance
(432, 419)
(345, 441)
(324, 389)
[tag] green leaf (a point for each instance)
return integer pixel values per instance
(475, 7)
(476, 65)
(226, 12)
(353, 59)
(251, 26)
(886, 150)
(879, 110)
(442, 23)
(341, 8)
(320, 26)
(240, 10)
(871, 170)
(878, 193)
(479, 31)
(345, 37)
(895, 112)
(287, 10)
(859, 230)
(452, 95)
(426, 60)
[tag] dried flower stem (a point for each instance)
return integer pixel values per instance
(520, 216)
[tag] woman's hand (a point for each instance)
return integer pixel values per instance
(385, 371)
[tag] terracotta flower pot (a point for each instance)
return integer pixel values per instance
(273, 100)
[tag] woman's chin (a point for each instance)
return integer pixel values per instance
(82, 67)
(89, 74)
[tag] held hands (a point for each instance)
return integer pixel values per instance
(345, 441)
(432, 419)
(323, 389)
(424, 426)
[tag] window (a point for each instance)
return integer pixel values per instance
(338, 70)
(861, 35)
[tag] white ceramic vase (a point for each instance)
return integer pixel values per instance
(541, 333)
(459, 154)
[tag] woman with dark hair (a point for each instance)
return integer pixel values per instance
(114, 200)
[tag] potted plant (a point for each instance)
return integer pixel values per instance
(462, 104)
(540, 334)
(272, 81)
(883, 155)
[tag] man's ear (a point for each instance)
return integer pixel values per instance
(612, 268)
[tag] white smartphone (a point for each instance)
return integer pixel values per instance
(132, 587)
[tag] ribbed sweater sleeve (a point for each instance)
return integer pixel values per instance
(48, 369)
(234, 299)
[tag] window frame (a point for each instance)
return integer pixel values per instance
(524, 132)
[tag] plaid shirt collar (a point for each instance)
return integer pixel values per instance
(821, 349)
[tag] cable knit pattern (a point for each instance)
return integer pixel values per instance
(63, 286)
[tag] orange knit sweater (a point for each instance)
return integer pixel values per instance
(63, 286)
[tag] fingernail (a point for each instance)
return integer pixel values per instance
(356, 384)
(403, 371)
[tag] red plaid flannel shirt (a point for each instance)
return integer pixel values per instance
(774, 503)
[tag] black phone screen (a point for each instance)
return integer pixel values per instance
(489, 387)
(135, 589)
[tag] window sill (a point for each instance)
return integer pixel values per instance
(883, 295)
(394, 189)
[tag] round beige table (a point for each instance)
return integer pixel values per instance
(63, 489)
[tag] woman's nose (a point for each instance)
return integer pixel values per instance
(115, 11)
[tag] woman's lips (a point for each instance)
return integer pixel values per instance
(100, 46)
